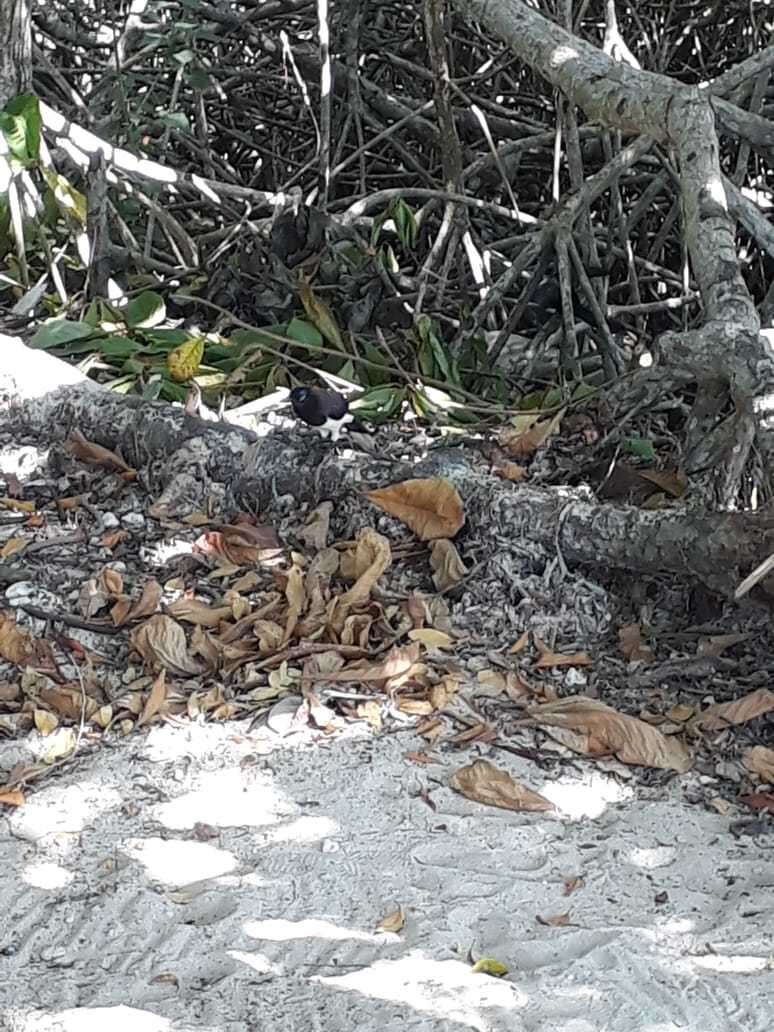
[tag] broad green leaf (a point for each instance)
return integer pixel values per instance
(175, 120)
(55, 332)
(304, 333)
(20, 124)
(146, 310)
(639, 446)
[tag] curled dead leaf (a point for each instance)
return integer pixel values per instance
(431, 508)
(448, 567)
(392, 922)
(529, 433)
(484, 783)
(161, 643)
(738, 711)
(94, 454)
(549, 659)
(760, 760)
(591, 728)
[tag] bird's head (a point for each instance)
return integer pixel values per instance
(299, 395)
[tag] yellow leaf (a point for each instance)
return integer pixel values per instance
(430, 637)
(13, 546)
(320, 316)
(185, 360)
(431, 508)
(45, 721)
(521, 443)
(490, 966)
(16, 505)
(392, 922)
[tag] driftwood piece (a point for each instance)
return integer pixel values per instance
(188, 460)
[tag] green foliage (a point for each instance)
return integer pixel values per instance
(20, 125)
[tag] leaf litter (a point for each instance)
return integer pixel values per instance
(268, 616)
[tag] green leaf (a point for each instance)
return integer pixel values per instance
(146, 310)
(490, 966)
(117, 348)
(380, 404)
(639, 446)
(199, 79)
(163, 340)
(305, 333)
(56, 332)
(20, 124)
(405, 223)
(175, 120)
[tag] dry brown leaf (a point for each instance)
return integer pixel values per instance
(314, 533)
(14, 546)
(431, 638)
(392, 922)
(372, 557)
(247, 582)
(415, 707)
(420, 758)
(11, 797)
(761, 801)
(371, 712)
(594, 729)
(156, 699)
(557, 921)
(520, 645)
(484, 783)
(739, 711)
(161, 643)
(109, 581)
(17, 646)
(67, 702)
(717, 644)
(204, 645)
(94, 454)
(448, 567)
(114, 538)
(431, 508)
(521, 442)
(510, 471)
(549, 659)
(476, 733)
(416, 609)
(192, 611)
(396, 667)
(672, 482)
(242, 544)
(125, 611)
(760, 760)
(296, 598)
(632, 645)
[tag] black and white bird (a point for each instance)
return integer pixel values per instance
(324, 409)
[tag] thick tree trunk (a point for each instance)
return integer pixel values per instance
(15, 49)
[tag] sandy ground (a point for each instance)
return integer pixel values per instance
(200, 877)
